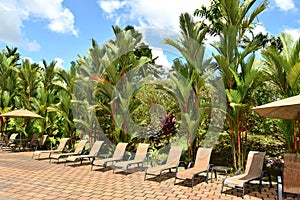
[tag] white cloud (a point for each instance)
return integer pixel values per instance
(259, 29)
(163, 14)
(59, 63)
(286, 5)
(60, 19)
(32, 45)
(295, 33)
(162, 58)
(110, 6)
(13, 13)
(11, 23)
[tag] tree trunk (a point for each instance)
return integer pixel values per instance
(233, 151)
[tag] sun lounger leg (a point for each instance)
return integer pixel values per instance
(193, 181)
(206, 179)
(222, 186)
(160, 176)
(270, 181)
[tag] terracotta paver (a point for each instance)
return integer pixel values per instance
(24, 178)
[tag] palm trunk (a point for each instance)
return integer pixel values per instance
(233, 151)
(238, 133)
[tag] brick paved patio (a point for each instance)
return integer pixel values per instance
(24, 178)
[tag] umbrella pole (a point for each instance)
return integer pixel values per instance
(21, 134)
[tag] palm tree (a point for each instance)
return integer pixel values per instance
(104, 68)
(12, 52)
(29, 80)
(283, 70)
(7, 69)
(233, 21)
(63, 115)
(8, 84)
(191, 47)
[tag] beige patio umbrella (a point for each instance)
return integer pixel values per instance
(288, 108)
(21, 113)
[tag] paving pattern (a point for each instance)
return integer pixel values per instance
(23, 178)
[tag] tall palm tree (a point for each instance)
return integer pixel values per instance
(12, 52)
(29, 80)
(191, 46)
(233, 21)
(283, 70)
(8, 84)
(104, 68)
(7, 69)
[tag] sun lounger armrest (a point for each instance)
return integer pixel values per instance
(69, 150)
(180, 163)
(163, 162)
(130, 157)
(170, 168)
(95, 154)
(191, 164)
(239, 171)
(86, 152)
(262, 174)
(103, 155)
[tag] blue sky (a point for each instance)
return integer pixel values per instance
(62, 29)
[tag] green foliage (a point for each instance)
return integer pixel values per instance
(233, 20)
(107, 77)
(221, 154)
(273, 145)
(283, 70)
(110, 91)
(148, 96)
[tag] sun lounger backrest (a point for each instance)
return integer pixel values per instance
(174, 155)
(13, 137)
(255, 163)
(202, 158)
(6, 140)
(43, 140)
(96, 148)
(120, 150)
(291, 173)
(34, 140)
(80, 146)
(62, 144)
(1, 137)
(141, 152)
